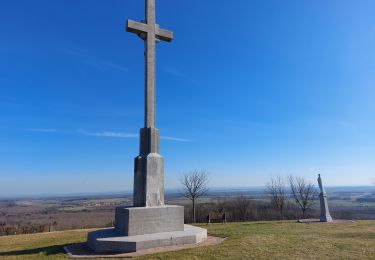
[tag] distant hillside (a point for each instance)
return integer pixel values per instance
(171, 193)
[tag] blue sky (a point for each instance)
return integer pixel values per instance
(247, 90)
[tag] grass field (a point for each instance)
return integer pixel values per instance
(254, 240)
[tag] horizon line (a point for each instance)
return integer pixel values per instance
(167, 190)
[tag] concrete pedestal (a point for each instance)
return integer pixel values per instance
(134, 221)
(138, 228)
(148, 180)
(109, 241)
(149, 171)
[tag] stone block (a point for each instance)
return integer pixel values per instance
(141, 220)
(148, 180)
(149, 141)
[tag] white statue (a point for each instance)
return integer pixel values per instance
(322, 191)
(325, 216)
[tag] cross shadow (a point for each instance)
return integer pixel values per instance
(49, 250)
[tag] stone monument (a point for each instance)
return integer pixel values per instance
(149, 223)
(325, 216)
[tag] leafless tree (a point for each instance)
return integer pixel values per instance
(221, 206)
(194, 186)
(242, 206)
(304, 193)
(277, 189)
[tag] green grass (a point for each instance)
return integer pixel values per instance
(255, 240)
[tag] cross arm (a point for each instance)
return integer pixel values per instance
(141, 28)
(164, 35)
(136, 27)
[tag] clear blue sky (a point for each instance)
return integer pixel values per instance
(247, 90)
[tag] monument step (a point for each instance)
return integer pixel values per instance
(109, 241)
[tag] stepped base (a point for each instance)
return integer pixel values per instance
(109, 241)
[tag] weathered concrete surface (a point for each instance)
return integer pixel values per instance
(149, 141)
(109, 241)
(148, 180)
(149, 171)
(134, 221)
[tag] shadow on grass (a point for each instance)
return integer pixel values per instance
(49, 250)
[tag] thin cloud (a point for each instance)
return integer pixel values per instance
(179, 74)
(176, 139)
(114, 65)
(112, 134)
(44, 130)
(96, 62)
(104, 134)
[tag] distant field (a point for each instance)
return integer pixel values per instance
(79, 212)
(59, 213)
(251, 240)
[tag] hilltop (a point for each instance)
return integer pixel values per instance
(250, 240)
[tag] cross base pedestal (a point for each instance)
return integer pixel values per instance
(132, 221)
(148, 180)
(109, 241)
(138, 228)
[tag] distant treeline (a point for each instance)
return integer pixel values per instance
(243, 209)
(365, 199)
(31, 228)
(27, 228)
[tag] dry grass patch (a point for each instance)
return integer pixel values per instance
(257, 240)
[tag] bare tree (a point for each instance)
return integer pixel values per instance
(304, 193)
(221, 206)
(242, 206)
(194, 186)
(277, 189)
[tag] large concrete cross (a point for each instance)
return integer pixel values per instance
(149, 223)
(149, 165)
(151, 33)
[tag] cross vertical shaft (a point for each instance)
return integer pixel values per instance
(149, 165)
(150, 66)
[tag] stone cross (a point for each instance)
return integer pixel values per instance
(149, 165)
(151, 33)
(149, 223)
